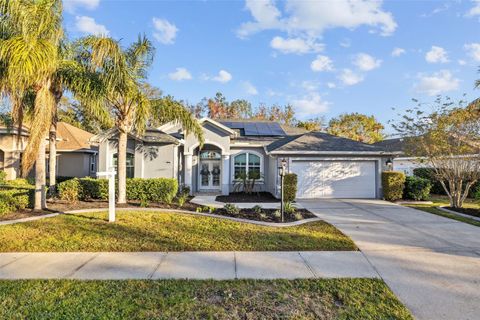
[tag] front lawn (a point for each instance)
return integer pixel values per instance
(440, 201)
(196, 299)
(158, 231)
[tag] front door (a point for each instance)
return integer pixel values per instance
(209, 174)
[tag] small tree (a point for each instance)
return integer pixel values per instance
(448, 140)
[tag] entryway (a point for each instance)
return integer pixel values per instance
(210, 170)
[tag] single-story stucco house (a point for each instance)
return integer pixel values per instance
(75, 156)
(327, 166)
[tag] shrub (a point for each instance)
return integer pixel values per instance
(183, 195)
(91, 188)
(231, 209)
(289, 187)
(393, 183)
(417, 188)
(156, 189)
(437, 188)
(477, 194)
(14, 199)
(277, 214)
(263, 216)
(69, 190)
(19, 182)
(298, 216)
(3, 177)
(289, 208)
(257, 209)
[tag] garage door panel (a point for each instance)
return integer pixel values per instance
(335, 179)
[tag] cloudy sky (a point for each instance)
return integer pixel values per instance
(323, 57)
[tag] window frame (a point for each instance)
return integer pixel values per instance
(115, 163)
(247, 158)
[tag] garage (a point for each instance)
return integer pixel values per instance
(335, 179)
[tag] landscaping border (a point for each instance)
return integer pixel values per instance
(444, 209)
(261, 223)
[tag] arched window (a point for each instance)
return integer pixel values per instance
(247, 163)
(130, 164)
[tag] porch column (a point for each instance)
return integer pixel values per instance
(188, 171)
(226, 174)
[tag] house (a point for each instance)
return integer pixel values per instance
(75, 156)
(327, 166)
(405, 164)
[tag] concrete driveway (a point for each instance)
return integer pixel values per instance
(430, 262)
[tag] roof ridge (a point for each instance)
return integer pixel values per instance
(67, 125)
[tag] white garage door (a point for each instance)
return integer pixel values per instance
(334, 179)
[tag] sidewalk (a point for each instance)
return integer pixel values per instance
(185, 265)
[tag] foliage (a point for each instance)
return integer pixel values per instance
(356, 126)
(155, 189)
(277, 214)
(437, 188)
(91, 188)
(14, 199)
(447, 139)
(231, 209)
(246, 181)
(477, 194)
(289, 187)
(183, 195)
(393, 183)
(257, 209)
(3, 177)
(69, 190)
(417, 188)
(289, 207)
(314, 124)
(298, 216)
(136, 231)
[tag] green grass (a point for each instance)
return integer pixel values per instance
(155, 231)
(439, 201)
(196, 299)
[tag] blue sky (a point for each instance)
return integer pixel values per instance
(323, 57)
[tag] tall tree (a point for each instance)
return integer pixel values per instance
(356, 126)
(448, 140)
(122, 73)
(28, 61)
(314, 124)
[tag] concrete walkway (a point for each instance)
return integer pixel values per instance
(431, 263)
(185, 265)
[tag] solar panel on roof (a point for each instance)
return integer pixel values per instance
(250, 129)
(264, 129)
(276, 129)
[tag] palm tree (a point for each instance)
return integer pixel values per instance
(28, 60)
(122, 73)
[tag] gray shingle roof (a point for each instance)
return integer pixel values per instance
(316, 141)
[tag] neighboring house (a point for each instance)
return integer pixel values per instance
(402, 163)
(327, 166)
(75, 156)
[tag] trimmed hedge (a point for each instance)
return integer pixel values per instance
(289, 187)
(417, 188)
(155, 189)
(437, 188)
(15, 195)
(393, 183)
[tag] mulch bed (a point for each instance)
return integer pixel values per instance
(469, 211)
(268, 217)
(60, 205)
(256, 197)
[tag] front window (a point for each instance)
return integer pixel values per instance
(130, 164)
(93, 164)
(247, 163)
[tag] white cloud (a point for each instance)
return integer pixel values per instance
(473, 50)
(331, 85)
(311, 18)
(366, 62)
(475, 10)
(165, 32)
(322, 63)
(71, 5)
(180, 74)
(88, 25)
(346, 43)
(309, 105)
(295, 45)
(309, 85)
(397, 52)
(223, 77)
(436, 55)
(350, 78)
(462, 62)
(250, 88)
(437, 83)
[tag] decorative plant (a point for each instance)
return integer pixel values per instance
(263, 216)
(246, 181)
(231, 209)
(258, 209)
(289, 207)
(277, 214)
(298, 216)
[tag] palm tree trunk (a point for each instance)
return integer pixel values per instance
(122, 167)
(40, 194)
(52, 161)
